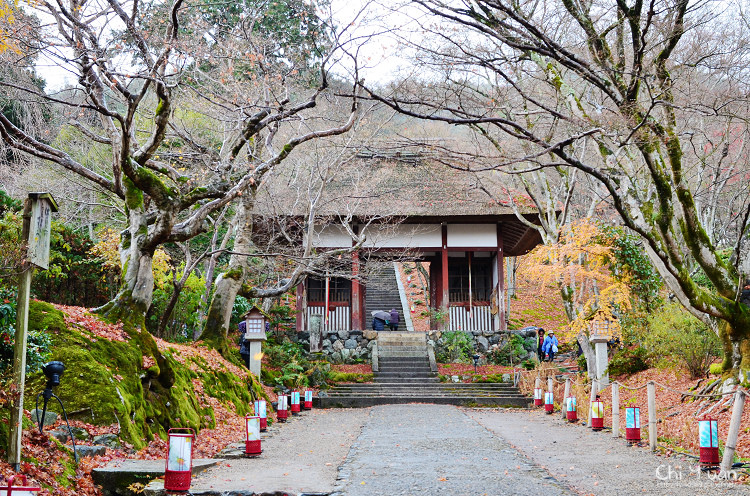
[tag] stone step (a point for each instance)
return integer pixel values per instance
(405, 380)
(406, 368)
(384, 376)
(365, 401)
(117, 475)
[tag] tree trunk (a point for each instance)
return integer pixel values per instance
(228, 284)
(736, 339)
(137, 282)
(589, 353)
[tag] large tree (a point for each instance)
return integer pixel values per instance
(192, 109)
(648, 98)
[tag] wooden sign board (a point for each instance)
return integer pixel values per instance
(42, 207)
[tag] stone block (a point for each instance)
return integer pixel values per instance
(350, 344)
(89, 451)
(338, 345)
(343, 334)
(50, 417)
(482, 344)
(370, 335)
(109, 440)
(327, 343)
(336, 357)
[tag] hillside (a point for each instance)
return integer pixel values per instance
(126, 383)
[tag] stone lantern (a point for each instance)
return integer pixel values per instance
(255, 332)
(601, 334)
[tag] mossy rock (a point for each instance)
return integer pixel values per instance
(105, 383)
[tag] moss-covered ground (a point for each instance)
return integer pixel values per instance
(143, 386)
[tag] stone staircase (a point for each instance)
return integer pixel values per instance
(382, 293)
(405, 372)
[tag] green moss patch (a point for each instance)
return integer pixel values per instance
(132, 383)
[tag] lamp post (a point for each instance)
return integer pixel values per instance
(709, 442)
(632, 425)
(259, 406)
(53, 371)
(179, 468)
(18, 490)
(476, 362)
(252, 436)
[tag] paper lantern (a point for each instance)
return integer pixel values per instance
(708, 433)
(632, 424)
(259, 407)
(570, 409)
(282, 412)
(294, 403)
(307, 405)
(597, 414)
(179, 469)
(549, 402)
(538, 401)
(252, 436)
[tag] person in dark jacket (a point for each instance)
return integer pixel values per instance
(378, 324)
(539, 342)
(393, 323)
(244, 344)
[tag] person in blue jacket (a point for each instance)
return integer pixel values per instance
(549, 347)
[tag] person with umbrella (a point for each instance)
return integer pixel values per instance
(379, 319)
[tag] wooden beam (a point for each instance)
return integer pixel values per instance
(445, 301)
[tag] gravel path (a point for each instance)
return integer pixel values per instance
(594, 462)
(433, 450)
(300, 456)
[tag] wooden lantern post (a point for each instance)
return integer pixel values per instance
(37, 225)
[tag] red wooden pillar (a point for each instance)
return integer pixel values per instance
(356, 303)
(301, 305)
(501, 280)
(445, 296)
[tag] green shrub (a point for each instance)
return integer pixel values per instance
(716, 369)
(350, 377)
(454, 346)
(319, 375)
(510, 353)
(529, 364)
(678, 338)
(38, 341)
(626, 361)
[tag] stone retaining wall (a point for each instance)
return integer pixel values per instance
(348, 346)
(342, 346)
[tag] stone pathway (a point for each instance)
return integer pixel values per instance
(594, 462)
(427, 449)
(302, 456)
(421, 449)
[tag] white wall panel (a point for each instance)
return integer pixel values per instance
(338, 320)
(472, 235)
(479, 319)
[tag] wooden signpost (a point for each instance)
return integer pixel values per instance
(37, 223)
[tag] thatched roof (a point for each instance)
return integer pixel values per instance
(406, 188)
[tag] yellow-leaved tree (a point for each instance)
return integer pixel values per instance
(7, 10)
(596, 284)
